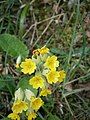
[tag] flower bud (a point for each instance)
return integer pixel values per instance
(18, 61)
(29, 94)
(19, 94)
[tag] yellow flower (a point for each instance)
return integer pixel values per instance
(51, 62)
(43, 50)
(28, 66)
(32, 116)
(45, 92)
(52, 76)
(36, 103)
(62, 75)
(14, 116)
(19, 106)
(37, 82)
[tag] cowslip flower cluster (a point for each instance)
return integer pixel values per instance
(25, 101)
(44, 68)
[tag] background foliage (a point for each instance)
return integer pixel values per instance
(62, 25)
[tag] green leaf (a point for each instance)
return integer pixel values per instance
(2, 83)
(6, 118)
(22, 20)
(57, 51)
(7, 83)
(73, 92)
(24, 84)
(13, 46)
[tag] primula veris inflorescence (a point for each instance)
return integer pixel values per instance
(28, 103)
(44, 68)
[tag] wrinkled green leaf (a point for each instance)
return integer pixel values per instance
(13, 46)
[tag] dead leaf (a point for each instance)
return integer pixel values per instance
(56, 8)
(88, 33)
(0, 57)
(68, 87)
(1, 67)
(46, 1)
(5, 71)
(86, 86)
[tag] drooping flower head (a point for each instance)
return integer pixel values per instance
(37, 82)
(14, 116)
(28, 66)
(19, 106)
(51, 62)
(36, 103)
(45, 92)
(52, 76)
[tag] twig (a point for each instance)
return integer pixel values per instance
(68, 106)
(76, 79)
(53, 17)
(42, 33)
(31, 42)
